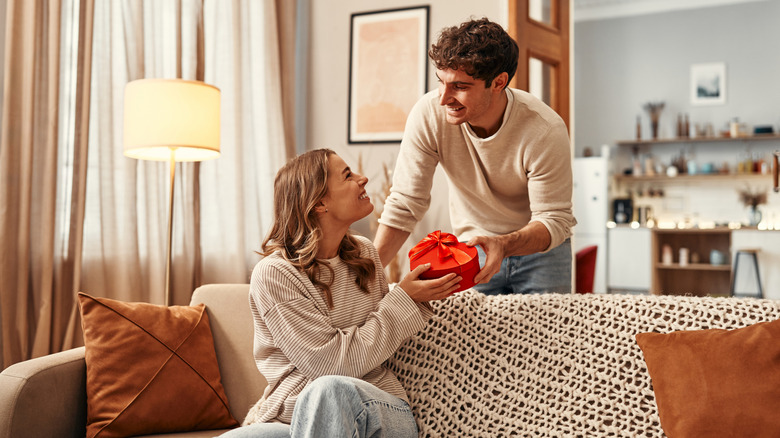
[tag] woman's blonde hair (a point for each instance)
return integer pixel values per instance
(299, 186)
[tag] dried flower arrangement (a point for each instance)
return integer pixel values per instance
(654, 109)
(751, 198)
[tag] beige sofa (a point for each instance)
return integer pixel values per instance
(540, 365)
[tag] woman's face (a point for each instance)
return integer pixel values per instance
(346, 200)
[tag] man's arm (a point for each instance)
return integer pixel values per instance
(530, 239)
(388, 241)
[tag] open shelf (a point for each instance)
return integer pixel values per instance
(748, 138)
(694, 267)
(701, 278)
(699, 177)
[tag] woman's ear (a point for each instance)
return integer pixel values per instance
(321, 208)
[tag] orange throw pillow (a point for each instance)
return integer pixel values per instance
(716, 382)
(150, 369)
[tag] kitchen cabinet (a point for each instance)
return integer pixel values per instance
(629, 264)
(636, 260)
(697, 275)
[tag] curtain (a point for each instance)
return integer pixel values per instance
(40, 203)
(75, 214)
(242, 59)
(126, 223)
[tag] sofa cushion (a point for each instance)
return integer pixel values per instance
(716, 382)
(150, 369)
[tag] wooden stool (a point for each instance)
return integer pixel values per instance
(752, 255)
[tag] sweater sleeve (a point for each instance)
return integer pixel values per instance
(550, 184)
(426, 310)
(410, 194)
(305, 335)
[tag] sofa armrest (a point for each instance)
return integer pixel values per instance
(45, 396)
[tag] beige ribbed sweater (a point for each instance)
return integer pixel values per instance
(498, 184)
(297, 338)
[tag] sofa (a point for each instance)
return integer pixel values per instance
(553, 365)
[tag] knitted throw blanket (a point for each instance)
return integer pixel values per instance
(549, 365)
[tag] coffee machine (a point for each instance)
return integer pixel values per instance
(622, 210)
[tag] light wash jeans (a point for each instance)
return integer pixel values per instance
(338, 406)
(531, 274)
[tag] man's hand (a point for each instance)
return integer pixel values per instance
(494, 253)
(429, 290)
(530, 239)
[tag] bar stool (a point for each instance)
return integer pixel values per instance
(752, 258)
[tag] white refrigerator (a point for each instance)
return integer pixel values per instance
(590, 205)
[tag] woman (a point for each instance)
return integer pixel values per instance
(325, 319)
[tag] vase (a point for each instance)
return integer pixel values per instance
(754, 216)
(654, 129)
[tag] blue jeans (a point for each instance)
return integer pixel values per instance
(338, 406)
(531, 274)
(260, 430)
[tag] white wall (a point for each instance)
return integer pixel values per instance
(328, 87)
(621, 63)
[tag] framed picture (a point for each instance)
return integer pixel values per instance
(388, 69)
(708, 84)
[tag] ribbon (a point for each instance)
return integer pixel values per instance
(445, 242)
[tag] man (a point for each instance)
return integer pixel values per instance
(508, 162)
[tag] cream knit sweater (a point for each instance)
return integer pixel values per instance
(297, 338)
(498, 184)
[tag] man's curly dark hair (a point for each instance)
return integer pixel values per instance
(480, 48)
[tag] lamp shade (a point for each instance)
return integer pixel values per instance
(162, 115)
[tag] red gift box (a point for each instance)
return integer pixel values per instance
(445, 254)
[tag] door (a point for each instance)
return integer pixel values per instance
(541, 29)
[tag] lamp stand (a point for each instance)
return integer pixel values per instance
(170, 230)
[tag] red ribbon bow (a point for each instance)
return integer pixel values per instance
(446, 243)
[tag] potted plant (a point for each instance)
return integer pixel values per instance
(752, 199)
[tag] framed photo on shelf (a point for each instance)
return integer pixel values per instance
(388, 70)
(708, 84)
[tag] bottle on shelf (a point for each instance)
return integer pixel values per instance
(638, 128)
(679, 125)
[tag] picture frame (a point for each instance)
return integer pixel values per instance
(388, 71)
(708, 84)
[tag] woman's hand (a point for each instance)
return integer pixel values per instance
(429, 290)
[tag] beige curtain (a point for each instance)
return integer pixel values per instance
(125, 228)
(41, 207)
(243, 49)
(75, 214)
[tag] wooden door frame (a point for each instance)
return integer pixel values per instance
(548, 43)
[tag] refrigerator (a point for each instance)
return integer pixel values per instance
(590, 205)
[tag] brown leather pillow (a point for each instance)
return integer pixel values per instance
(150, 369)
(716, 382)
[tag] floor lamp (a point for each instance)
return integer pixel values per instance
(171, 120)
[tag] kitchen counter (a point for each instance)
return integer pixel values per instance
(634, 260)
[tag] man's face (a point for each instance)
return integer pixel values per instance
(466, 99)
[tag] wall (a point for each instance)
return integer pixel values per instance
(622, 63)
(328, 85)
